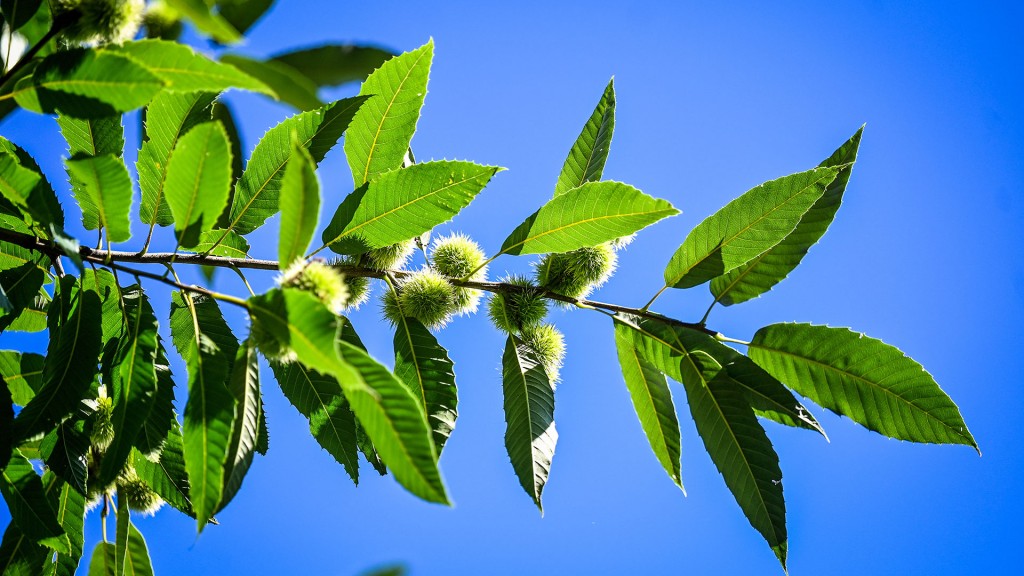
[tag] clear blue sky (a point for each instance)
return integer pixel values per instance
(711, 101)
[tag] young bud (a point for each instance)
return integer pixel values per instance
(139, 496)
(424, 295)
(457, 256)
(577, 273)
(99, 21)
(320, 279)
(518, 309)
(549, 345)
(391, 257)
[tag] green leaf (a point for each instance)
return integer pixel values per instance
(134, 381)
(86, 83)
(765, 271)
(209, 23)
(653, 403)
(256, 195)
(167, 476)
(33, 315)
(160, 419)
(103, 560)
(321, 400)
(17, 13)
(206, 344)
(391, 416)
(732, 436)
(530, 434)
(6, 424)
(103, 189)
(290, 86)
(198, 181)
(17, 183)
(19, 556)
(335, 64)
(131, 554)
(746, 227)
(29, 506)
(92, 137)
(222, 243)
(112, 321)
(183, 70)
(590, 151)
(242, 14)
(424, 366)
(589, 215)
(300, 206)
(23, 372)
(867, 380)
(40, 202)
(66, 453)
(244, 385)
(403, 204)
(382, 130)
(71, 359)
(223, 114)
(71, 514)
(19, 287)
(168, 117)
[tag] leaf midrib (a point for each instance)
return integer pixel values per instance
(581, 222)
(383, 118)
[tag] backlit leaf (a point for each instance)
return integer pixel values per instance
(184, 70)
(198, 181)
(29, 505)
(590, 151)
(300, 206)
(290, 86)
(93, 136)
(103, 189)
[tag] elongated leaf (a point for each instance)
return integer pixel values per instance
(391, 416)
(653, 403)
(382, 130)
(20, 556)
(103, 560)
(242, 14)
(85, 83)
(530, 434)
(131, 554)
(183, 70)
(198, 181)
(29, 506)
(103, 189)
(206, 344)
(730, 431)
(746, 227)
(6, 424)
(593, 213)
(161, 418)
(66, 453)
(403, 204)
(590, 151)
(762, 273)
(168, 117)
(71, 514)
(167, 476)
(222, 113)
(300, 206)
(33, 315)
(18, 289)
(134, 381)
(867, 380)
(256, 195)
(245, 387)
(93, 137)
(17, 13)
(23, 373)
(222, 243)
(40, 202)
(423, 364)
(112, 321)
(208, 22)
(17, 183)
(289, 85)
(321, 400)
(71, 360)
(335, 64)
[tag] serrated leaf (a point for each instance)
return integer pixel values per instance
(424, 366)
(256, 195)
(388, 412)
(71, 514)
(300, 206)
(653, 403)
(244, 385)
(86, 83)
(66, 453)
(225, 243)
(103, 561)
(290, 86)
(208, 347)
(33, 315)
(166, 475)
(40, 202)
(530, 434)
(184, 70)
(17, 183)
(732, 436)
(335, 64)
(590, 151)
(198, 181)
(23, 373)
(403, 204)
(131, 554)
(208, 22)
(321, 400)
(92, 136)
(71, 359)
(161, 418)
(746, 227)
(764, 272)
(382, 130)
(29, 506)
(168, 117)
(19, 288)
(865, 379)
(134, 381)
(103, 189)
(589, 215)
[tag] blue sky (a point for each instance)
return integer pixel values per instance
(712, 100)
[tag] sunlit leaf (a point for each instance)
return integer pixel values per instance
(423, 364)
(71, 515)
(93, 136)
(184, 70)
(198, 181)
(29, 505)
(300, 206)
(103, 189)
(23, 372)
(131, 553)
(590, 151)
